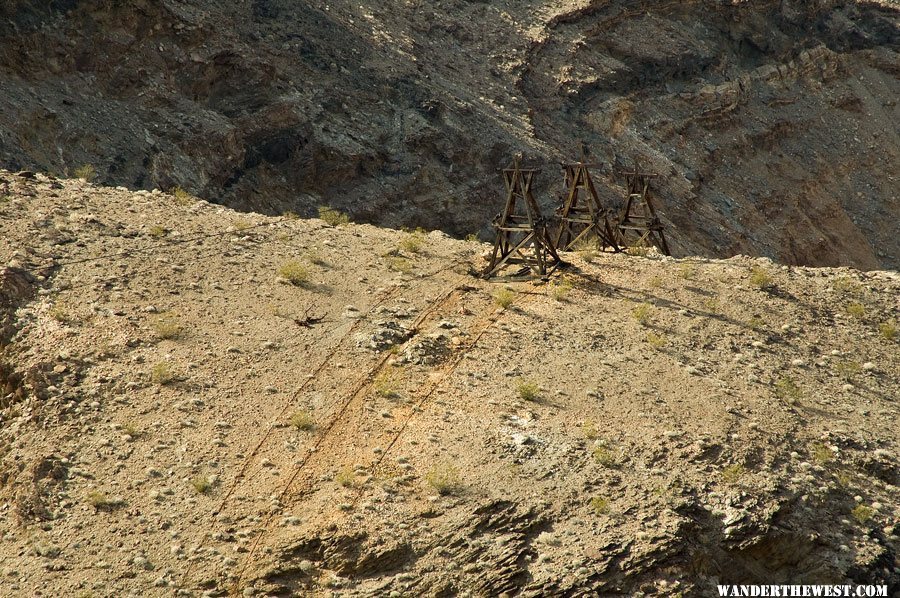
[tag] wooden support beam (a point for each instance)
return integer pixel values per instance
(521, 231)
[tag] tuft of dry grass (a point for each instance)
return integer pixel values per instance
(86, 173)
(294, 272)
(604, 456)
(303, 421)
(62, 315)
(167, 327)
(687, 271)
(820, 454)
(638, 250)
(657, 341)
(241, 224)
(201, 484)
(733, 474)
(401, 265)
(162, 373)
(862, 513)
(332, 216)
(760, 278)
(387, 384)
(600, 505)
(560, 290)
(642, 313)
(102, 502)
(503, 298)
(888, 330)
(856, 310)
(413, 242)
(444, 478)
(528, 390)
(182, 197)
(345, 478)
(787, 390)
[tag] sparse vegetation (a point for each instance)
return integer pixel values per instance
(642, 313)
(62, 315)
(733, 474)
(413, 242)
(856, 310)
(444, 478)
(638, 250)
(605, 457)
(162, 373)
(847, 369)
(687, 271)
(290, 215)
(560, 290)
(182, 197)
(86, 172)
(657, 341)
(294, 272)
(167, 327)
(600, 505)
(201, 484)
(844, 478)
(760, 278)
(528, 390)
(332, 216)
(102, 502)
(589, 430)
(303, 421)
(755, 323)
(241, 224)
(472, 238)
(133, 429)
(862, 513)
(401, 265)
(504, 298)
(820, 454)
(787, 390)
(386, 384)
(847, 286)
(345, 478)
(888, 330)
(157, 232)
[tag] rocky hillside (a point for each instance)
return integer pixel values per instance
(202, 402)
(773, 124)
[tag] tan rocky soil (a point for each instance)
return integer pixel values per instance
(773, 125)
(179, 419)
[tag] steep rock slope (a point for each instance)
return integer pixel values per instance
(773, 124)
(178, 417)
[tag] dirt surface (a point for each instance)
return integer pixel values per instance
(179, 418)
(772, 125)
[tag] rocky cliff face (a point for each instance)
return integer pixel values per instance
(773, 125)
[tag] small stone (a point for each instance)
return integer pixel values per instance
(142, 563)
